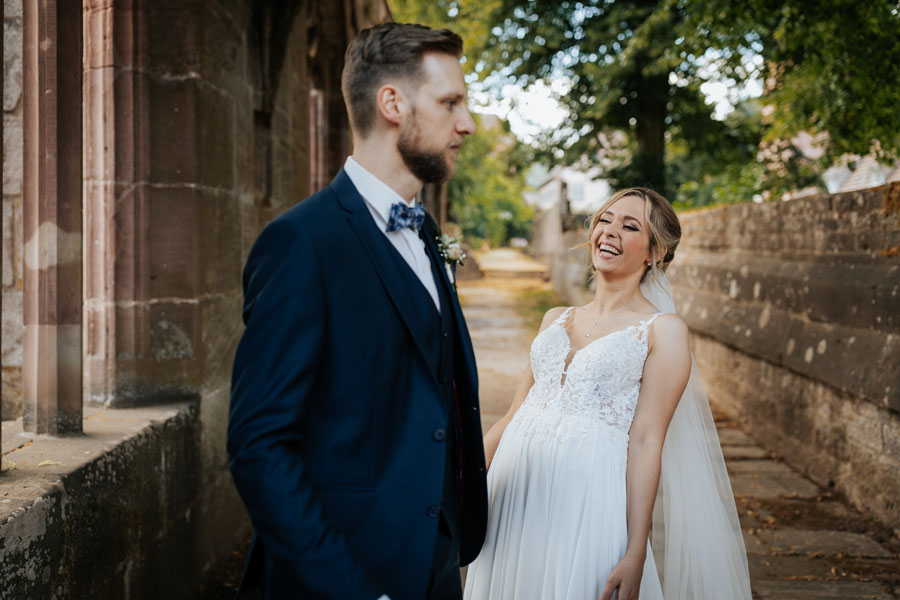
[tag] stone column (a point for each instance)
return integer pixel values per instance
(52, 216)
(116, 173)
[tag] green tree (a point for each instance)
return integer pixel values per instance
(467, 18)
(831, 66)
(627, 75)
(486, 194)
(636, 67)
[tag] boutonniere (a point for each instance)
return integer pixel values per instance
(452, 252)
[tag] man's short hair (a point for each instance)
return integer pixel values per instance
(391, 50)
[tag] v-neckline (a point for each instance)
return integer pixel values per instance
(564, 376)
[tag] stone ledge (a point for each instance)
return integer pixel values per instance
(858, 223)
(101, 515)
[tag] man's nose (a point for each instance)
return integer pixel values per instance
(466, 125)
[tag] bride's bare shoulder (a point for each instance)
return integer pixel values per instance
(669, 331)
(551, 315)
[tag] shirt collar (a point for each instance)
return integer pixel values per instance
(377, 194)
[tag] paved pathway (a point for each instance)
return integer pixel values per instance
(802, 541)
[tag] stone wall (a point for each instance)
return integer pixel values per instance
(198, 130)
(795, 314)
(794, 309)
(11, 407)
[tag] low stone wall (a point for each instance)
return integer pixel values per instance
(795, 314)
(135, 508)
(794, 309)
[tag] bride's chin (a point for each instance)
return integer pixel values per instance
(617, 271)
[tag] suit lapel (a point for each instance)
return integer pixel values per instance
(379, 251)
(429, 235)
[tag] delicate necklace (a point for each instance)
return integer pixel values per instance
(594, 324)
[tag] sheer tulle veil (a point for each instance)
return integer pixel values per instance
(696, 537)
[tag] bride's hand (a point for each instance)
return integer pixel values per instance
(626, 577)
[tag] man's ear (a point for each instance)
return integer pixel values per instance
(391, 103)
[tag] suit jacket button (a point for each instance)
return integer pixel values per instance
(433, 512)
(444, 335)
(443, 379)
(439, 434)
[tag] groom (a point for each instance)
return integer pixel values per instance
(354, 435)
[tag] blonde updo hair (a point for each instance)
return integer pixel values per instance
(665, 229)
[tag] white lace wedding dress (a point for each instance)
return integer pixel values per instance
(556, 485)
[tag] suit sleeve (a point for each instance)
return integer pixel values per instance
(272, 385)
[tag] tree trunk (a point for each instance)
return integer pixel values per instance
(652, 106)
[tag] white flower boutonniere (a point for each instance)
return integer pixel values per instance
(452, 252)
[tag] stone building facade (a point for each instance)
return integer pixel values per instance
(200, 121)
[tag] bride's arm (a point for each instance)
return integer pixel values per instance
(493, 435)
(666, 373)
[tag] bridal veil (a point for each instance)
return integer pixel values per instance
(696, 537)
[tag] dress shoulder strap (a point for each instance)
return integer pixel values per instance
(562, 317)
(644, 325)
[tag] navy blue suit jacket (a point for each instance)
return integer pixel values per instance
(334, 407)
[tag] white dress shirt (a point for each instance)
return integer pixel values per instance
(379, 197)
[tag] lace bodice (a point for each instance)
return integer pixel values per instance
(601, 382)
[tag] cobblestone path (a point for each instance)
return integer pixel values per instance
(803, 542)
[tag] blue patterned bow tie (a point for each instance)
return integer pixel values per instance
(404, 215)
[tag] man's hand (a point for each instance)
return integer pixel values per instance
(626, 577)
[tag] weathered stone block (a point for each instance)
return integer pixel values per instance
(12, 394)
(174, 239)
(12, 328)
(192, 140)
(175, 48)
(12, 61)
(12, 155)
(12, 242)
(221, 330)
(192, 249)
(802, 542)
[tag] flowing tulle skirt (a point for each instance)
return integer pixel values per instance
(557, 523)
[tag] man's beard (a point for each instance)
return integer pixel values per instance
(427, 166)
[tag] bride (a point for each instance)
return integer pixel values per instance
(609, 434)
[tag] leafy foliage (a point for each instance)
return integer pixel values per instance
(486, 194)
(832, 66)
(467, 18)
